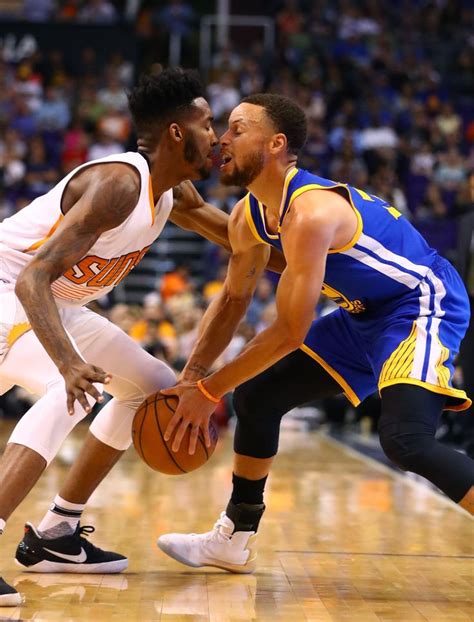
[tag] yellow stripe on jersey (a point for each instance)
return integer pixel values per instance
(152, 200)
(16, 332)
(363, 194)
(400, 362)
(351, 395)
(442, 372)
(288, 178)
(250, 222)
(39, 243)
(358, 231)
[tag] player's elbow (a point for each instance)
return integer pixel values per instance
(237, 300)
(294, 341)
(30, 278)
(291, 335)
(22, 285)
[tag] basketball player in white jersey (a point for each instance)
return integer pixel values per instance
(65, 249)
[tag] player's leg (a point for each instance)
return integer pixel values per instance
(260, 404)
(135, 374)
(38, 434)
(407, 427)
(415, 360)
(331, 361)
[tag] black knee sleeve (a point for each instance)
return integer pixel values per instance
(258, 423)
(407, 434)
(408, 444)
(261, 402)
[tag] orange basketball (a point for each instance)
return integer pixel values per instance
(148, 431)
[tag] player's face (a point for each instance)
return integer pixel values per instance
(200, 140)
(243, 146)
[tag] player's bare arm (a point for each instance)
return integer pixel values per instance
(100, 199)
(191, 212)
(246, 264)
(309, 231)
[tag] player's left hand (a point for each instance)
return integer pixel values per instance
(193, 411)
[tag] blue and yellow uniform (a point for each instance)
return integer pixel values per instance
(403, 308)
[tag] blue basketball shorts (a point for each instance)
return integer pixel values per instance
(410, 341)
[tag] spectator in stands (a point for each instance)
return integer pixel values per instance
(98, 12)
(53, 114)
(103, 146)
(263, 296)
(175, 282)
(113, 96)
(38, 10)
(223, 95)
(41, 174)
(75, 145)
(177, 17)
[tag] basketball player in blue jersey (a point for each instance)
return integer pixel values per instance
(403, 311)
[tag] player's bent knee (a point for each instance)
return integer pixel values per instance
(47, 424)
(113, 424)
(242, 401)
(258, 428)
(249, 402)
(408, 445)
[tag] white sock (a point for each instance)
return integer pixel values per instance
(61, 519)
(2, 526)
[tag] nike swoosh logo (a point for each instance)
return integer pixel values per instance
(77, 559)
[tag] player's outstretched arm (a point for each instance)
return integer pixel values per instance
(224, 314)
(306, 242)
(191, 212)
(105, 198)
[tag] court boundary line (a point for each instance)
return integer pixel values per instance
(375, 554)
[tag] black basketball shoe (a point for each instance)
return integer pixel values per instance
(66, 554)
(9, 597)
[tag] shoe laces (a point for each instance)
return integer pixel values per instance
(85, 530)
(219, 530)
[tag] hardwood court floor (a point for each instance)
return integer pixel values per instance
(342, 540)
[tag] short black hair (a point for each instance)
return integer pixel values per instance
(161, 98)
(287, 117)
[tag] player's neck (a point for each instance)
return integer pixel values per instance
(268, 186)
(165, 172)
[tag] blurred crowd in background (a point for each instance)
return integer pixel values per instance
(388, 89)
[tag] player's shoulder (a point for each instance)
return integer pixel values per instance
(319, 206)
(112, 177)
(240, 233)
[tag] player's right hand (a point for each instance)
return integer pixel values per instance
(79, 378)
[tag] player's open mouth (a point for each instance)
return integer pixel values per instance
(224, 161)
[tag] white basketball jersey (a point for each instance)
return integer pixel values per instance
(108, 261)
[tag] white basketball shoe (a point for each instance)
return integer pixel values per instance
(235, 551)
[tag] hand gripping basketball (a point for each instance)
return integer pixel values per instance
(193, 412)
(148, 433)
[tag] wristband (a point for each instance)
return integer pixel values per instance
(206, 393)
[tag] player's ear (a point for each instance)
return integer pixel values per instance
(278, 143)
(175, 132)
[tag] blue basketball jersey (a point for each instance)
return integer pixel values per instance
(403, 308)
(385, 259)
